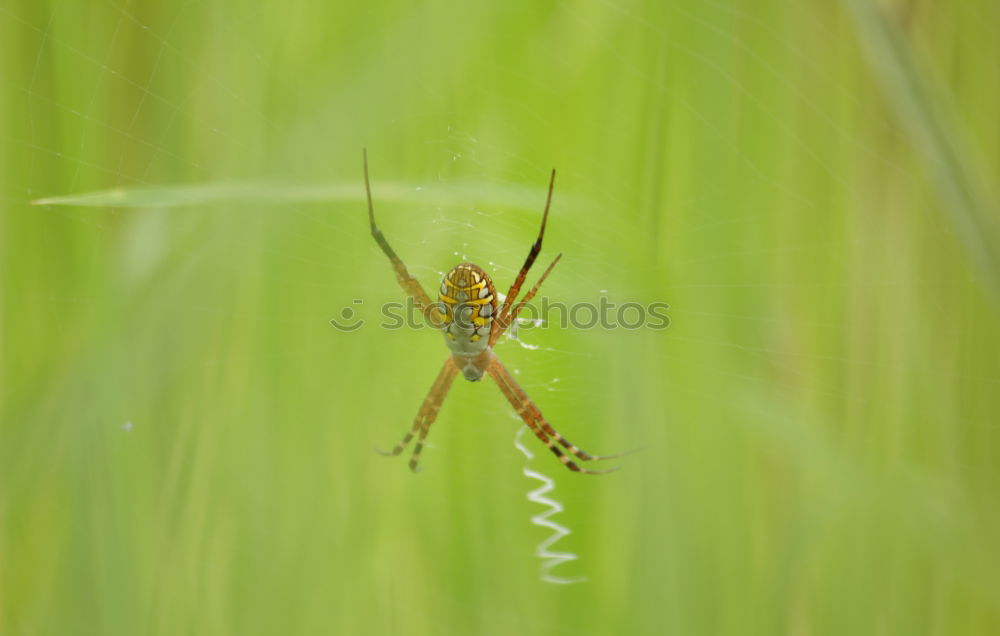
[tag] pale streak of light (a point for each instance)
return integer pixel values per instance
(549, 559)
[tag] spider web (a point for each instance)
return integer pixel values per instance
(119, 167)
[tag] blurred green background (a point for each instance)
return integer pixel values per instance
(186, 442)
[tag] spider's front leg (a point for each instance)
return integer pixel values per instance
(528, 412)
(426, 415)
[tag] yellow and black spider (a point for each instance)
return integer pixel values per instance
(467, 315)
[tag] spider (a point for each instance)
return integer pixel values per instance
(472, 324)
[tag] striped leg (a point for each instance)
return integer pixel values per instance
(426, 415)
(543, 423)
(502, 327)
(515, 289)
(528, 412)
(406, 280)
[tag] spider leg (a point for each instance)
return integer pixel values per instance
(499, 331)
(532, 255)
(406, 280)
(528, 412)
(426, 415)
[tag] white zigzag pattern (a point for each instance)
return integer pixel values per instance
(549, 559)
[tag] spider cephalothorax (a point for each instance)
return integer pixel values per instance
(471, 322)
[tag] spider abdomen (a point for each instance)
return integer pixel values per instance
(469, 304)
